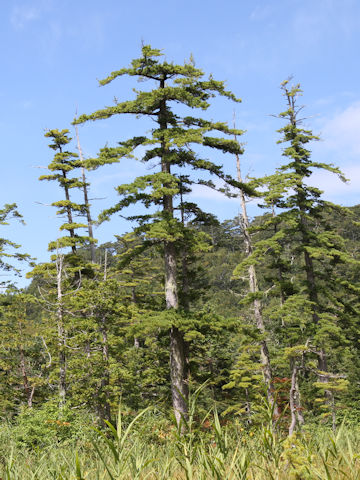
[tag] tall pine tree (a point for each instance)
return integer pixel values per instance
(302, 251)
(171, 143)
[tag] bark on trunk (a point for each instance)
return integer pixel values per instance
(104, 406)
(61, 333)
(178, 366)
(171, 295)
(292, 399)
(179, 388)
(185, 288)
(86, 199)
(279, 268)
(299, 409)
(324, 378)
(297, 417)
(253, 287)
(68, 209)
(87, 349)
(333, 413)
(178, 371)
(29, 394)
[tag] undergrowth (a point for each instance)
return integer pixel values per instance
(146, 446)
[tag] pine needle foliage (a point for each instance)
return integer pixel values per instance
(176, 143)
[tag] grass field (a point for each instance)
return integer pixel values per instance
(145, 448)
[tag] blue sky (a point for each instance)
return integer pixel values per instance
(53, 52)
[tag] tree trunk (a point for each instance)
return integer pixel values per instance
(86, 200)
(30, 397)
(178, 371)
(299, 409)
(28, 393)
(253, 287)
(333, 413)
(185, 288)
(104, 406)
(171, 295)
(68, 208)
(293, 392)
(324, 378)
(297, 417)
(61, 332)
(179, 388)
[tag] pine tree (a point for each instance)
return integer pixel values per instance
(171, 143)
(254, 292)
(304, 252)
(85, 189)
(8, 249)
(63, 273)
(63, 163)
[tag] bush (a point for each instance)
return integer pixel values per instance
(49, 425)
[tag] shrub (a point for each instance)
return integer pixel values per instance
(49, 425)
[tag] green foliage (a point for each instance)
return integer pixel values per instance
(245, 375)
(8, 212)
(171, 139)
(209, 450)
(107, 324)
(298, 255)
(63, 165)
(176, 142)
(47, 426)
(22, 353)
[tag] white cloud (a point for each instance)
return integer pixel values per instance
(24, 12)
(340, 145)
(334, 187)
(261, 12)
(342, 132)
(314, 23)
(21, 15)
(205, 193)
(27, 104)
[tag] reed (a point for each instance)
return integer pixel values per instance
(201, 449)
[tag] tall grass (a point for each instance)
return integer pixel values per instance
(203, 449)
